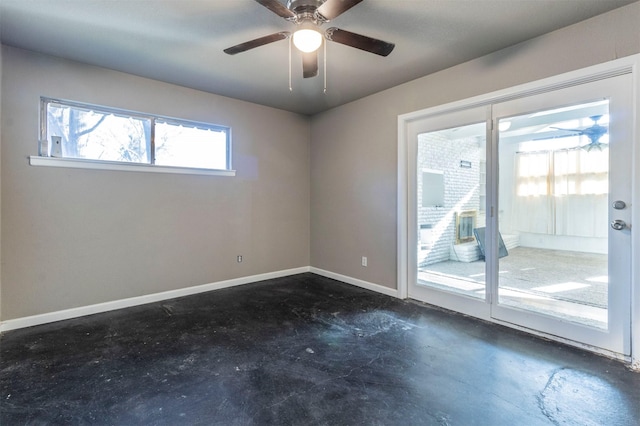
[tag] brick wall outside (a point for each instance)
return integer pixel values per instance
(438, 152)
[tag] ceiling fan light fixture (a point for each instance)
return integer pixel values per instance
(307, 40)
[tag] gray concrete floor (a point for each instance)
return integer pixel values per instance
(302, 350)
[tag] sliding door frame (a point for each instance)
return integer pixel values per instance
(628, 65)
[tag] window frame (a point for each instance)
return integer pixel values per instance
(87, 163)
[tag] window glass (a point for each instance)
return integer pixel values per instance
(184, 145)
(99, 135)
(107, 134)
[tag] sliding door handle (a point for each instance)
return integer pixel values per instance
(618, 225)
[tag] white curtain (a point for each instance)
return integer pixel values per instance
(533, 203)
(562, 192)
(581, 186)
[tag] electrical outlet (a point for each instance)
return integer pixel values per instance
(364, 261)
(239, 258)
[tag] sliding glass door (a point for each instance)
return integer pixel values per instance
(518, 212)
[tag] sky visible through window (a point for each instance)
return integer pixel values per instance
(177, 145)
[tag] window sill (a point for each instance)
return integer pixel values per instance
(77, 163)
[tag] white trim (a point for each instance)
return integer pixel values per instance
(635, 219)
(402, 230)
(356, 282)
(80, 163)
(141, 300)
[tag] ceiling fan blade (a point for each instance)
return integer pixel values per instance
(278, 8)
(358, 41)
(334, 8)
(568, 130)
(243, 47)
(310, 64)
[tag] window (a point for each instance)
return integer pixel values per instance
(102, 134)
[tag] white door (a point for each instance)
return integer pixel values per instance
(563, 211)
(512, 210)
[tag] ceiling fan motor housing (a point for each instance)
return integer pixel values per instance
(306, 11)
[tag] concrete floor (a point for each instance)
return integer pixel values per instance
(302, 350)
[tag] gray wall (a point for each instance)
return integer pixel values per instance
(74, 237)
(78, 237)
(353, 147)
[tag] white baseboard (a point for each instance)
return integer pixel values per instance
(49, 317)
(356, 282)
(141, 300)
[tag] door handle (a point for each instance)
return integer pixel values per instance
(618, 225)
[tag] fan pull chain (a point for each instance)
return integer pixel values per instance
(325, 66)
(290, 86)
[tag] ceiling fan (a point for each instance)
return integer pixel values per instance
(308, 16)
(594, 133)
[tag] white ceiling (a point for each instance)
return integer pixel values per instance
(181, 41)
